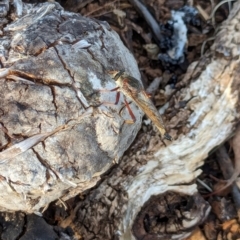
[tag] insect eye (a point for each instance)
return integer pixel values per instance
(119, 74)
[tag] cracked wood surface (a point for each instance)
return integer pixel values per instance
(57, 135)
(143, 197)
(152, 180)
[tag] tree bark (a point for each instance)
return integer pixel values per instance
(57, 133)
(151, 193)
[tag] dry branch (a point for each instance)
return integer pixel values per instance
(151, 194)
(49, 86)
(56, 135)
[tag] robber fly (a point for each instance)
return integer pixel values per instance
(133, 89)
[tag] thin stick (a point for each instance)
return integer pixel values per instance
(204, 184)
(228, 171)
(152, 23)
(100, 8)
(212, 16)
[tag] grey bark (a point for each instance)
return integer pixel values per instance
(151, 194)
(58, 134)
(53, 145)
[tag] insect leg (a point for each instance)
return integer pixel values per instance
(114, 89)
(117, 98)
(130, 110)
(117, 95)
(148, 95)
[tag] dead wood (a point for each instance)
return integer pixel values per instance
(57, 138)
(151, 194)
(57, 135)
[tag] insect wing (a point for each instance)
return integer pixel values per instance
(133, 89)
(142, 100)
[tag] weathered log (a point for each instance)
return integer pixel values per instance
(57, 133)
(149, 194)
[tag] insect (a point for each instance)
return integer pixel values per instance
(133, 89)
